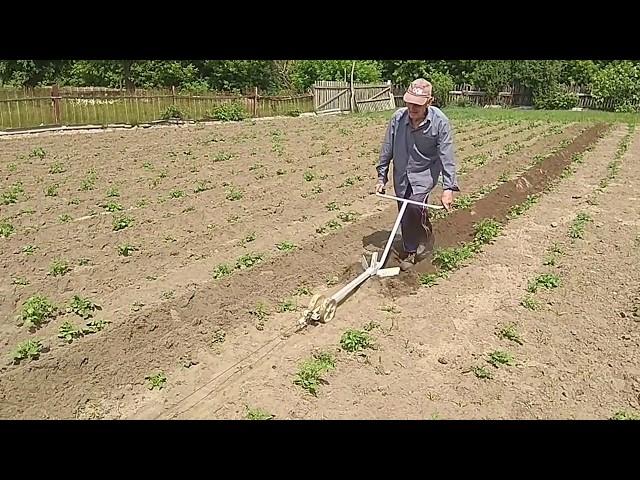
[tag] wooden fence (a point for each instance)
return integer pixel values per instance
(330, 96)
(26, 108)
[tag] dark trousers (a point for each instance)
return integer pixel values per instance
(416, 226)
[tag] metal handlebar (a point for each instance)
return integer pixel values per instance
(428, 205)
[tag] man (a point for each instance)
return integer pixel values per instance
(419, 141)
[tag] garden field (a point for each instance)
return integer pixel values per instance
(159, 273)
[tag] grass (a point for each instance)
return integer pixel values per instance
(29, 349)
(578, 226)
(156, 380)
(355, 340)
(310, 373)
(37, 310)
(510, 332)
(545, 280)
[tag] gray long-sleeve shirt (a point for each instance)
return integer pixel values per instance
(419, 155)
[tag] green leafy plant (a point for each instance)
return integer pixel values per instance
(498, 358)
(69, 332)
(249, 260)
(6, 229)
(121, 222)
(30, 349)
(355, 340)
(59, 268)
(157, 380)
(126, 249)
(221, 271)
(310, 373)
(510, 332)
(286, 246)
(545, 280)
(37, 310)
(258, 414)
(83, 307)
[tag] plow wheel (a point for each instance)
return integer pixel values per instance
(327, 310)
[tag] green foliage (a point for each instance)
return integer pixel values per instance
(306, 72)
(228, 112)
(618, 82)
(555, 98)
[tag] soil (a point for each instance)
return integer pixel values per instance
(217, 356)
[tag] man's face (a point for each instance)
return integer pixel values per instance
(417, 112)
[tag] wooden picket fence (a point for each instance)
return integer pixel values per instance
(54, 106)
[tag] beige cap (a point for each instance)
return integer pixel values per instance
(419, 92)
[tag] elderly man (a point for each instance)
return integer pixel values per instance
(419, 141)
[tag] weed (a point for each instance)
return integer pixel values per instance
(157, 380)
(286, 246)
(94, 326)
(287, 305)
(332, 206)
(463, 202)
(234, 194)
(303, 291)
(355, 340)
(219, 336)
(450, 258)
(222, 157)
(350, 181)
(38, 152)
(510, 333)
(176, 194)
(481, 372)
(518, 210)
(309, 175)
(498, 358)
(348, 216)
(89, 182)
(261, 313)
(389, 309)
(333, 224)
(624, 415)
(530, 303)
(6, 229)
(65, 217)
(258, 414)
(59, 267)
(202, 186)
(19, 281)
(121, 222)
(37, 310)
(249, 260)
(486, 230)
(113, 192)
(428, 279)
(30, 349)
(68, 332)
(221, 270)
(577, 227)
(51, 190)
(545, 280)
(309, 375)
(83, 307)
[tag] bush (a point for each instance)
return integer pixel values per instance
(555, 98)
(172, 112)
(618, 82)
(442, 85)
(228, 112)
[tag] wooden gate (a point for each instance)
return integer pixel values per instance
(334, 96)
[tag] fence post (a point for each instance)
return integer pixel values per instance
(173, 95)
(55, 99)
(255, 102)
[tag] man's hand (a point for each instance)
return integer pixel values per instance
(447, 199)
(379, 187)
